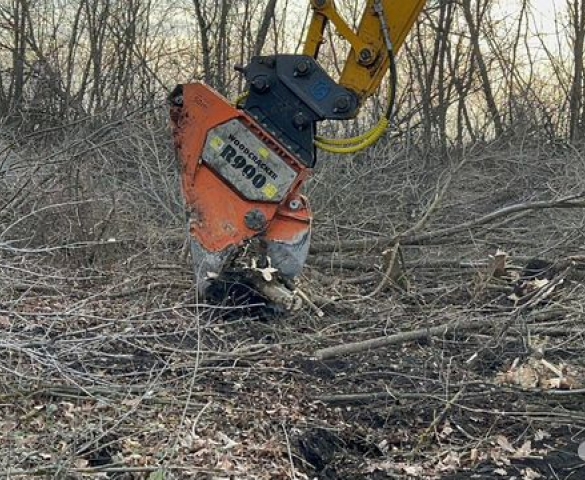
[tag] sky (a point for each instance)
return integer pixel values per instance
(545, 12)
(548, 17)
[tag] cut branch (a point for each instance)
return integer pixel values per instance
(399, 338)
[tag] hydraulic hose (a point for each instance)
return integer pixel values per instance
(361, 142)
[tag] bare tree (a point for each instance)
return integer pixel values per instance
(474, 19)
(14, 18)
(576, 10)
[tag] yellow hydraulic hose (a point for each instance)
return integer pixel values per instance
(355, 144)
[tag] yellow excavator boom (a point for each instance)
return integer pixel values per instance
(384, 26)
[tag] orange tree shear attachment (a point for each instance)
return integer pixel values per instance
(239, 184)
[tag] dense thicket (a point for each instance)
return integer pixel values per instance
(85, 151)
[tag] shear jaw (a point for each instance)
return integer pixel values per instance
(243, 277)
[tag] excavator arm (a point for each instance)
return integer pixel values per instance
(383, 28)
(243, 166)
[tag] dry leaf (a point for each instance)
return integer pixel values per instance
(538, 373)
(524, 451)
(505, 444)
(541, 435)
(132, 402)
(131, 444)
(446, 430)
(451, 462)
(525, 376)
(414, 470)
(538, 283)
(81, 463)
(228, 442)
(530, 474)
(225, 463)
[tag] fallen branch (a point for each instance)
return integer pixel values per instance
(399, 338)
(368, 397)
(52, 469)
(533, 299)
(310, 302)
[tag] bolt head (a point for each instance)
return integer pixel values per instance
(300, 121)
(255, 220)
(303, 68)
(342, 104)
(260, 84)
(295, 204)
(365, 56)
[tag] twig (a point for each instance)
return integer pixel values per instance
(424, 438)
(290, 457)
(387, 276)
(36, 472)
(554, 392)
(573, 201)
(144, 288)
(310, 302)
(439, 195)
(367, 397)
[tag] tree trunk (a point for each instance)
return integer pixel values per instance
(473, 25)
(577, 19)
(18, 54)
(205, 46)
(264, 26)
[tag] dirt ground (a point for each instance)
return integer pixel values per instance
(111, 368)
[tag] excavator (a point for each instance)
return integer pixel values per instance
(243, 165)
